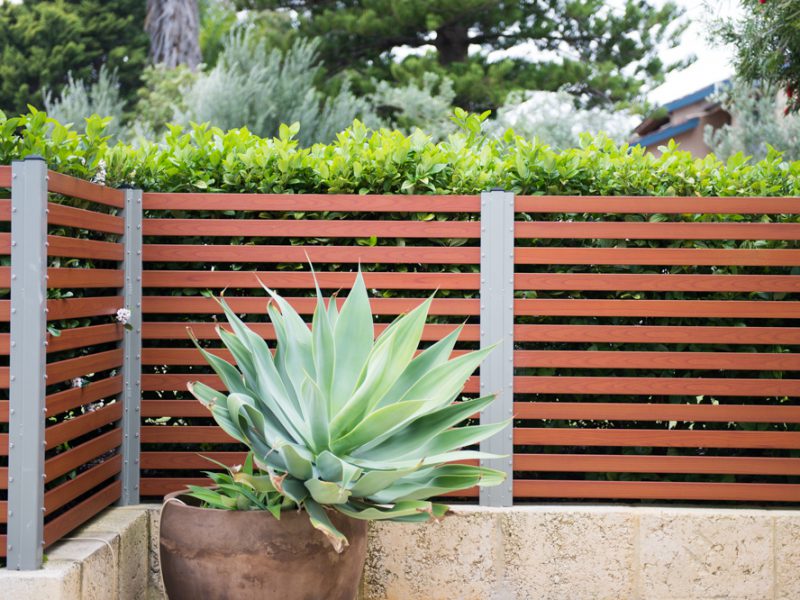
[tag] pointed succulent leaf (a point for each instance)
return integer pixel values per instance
(321, 521)
(327, 492)
(378, 424)
(353, 335)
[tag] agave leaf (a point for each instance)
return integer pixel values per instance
(298, 350)
(333, 311)
(327, 492)
(269, 382)
(317, 412)
(458, 438)
(322, 347)
(360, 510)
(378, 424)
(281, 354)
(298, 460)
(422, 429)
(443, 382)
(429, 358)
(320, 520)
(242, 355)
(436, 459)
(230, 376)
(333, 468)
(374, 481)
(294, 490)
(439, 482)
(385, 363)
(208, 396)
(353, 335)
(438, 511)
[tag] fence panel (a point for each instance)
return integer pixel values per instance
(407, 246)
(656, 352)
(66, 355)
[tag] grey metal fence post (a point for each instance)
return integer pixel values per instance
(27, 364)
(497, 325)
(132, 348)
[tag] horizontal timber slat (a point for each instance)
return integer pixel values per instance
(179, 381)
(189, 460)
(311, 228)
(258, 305)
(657, 334)
(60, 495)
(91, 363)
(656, 282)
(74, 428)
(624, 411)
(79, 248)
(674, 438)
(615, 463)
(655, 231)
(311, 202)
(658, 360)
(752, 309)
(656, 256)
(656, 386)
(84, 190)
(74, 397)
(173, 408)
(70, 216)
(58, 527)
(5, 181)
(303, 280)
(653, 205)
(73, 308)
(80, 337)
(316, 254)
(163, 330)
(82, 453)
(656, 490)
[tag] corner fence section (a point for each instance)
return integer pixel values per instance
(66, 450)
(648, 347)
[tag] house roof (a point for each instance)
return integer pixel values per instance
(661, 125)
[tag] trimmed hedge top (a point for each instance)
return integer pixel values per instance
(361, 160)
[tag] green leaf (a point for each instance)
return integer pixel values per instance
(327, 492)
(320, 520)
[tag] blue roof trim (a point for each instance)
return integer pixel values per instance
(700, 94)
(665, 134)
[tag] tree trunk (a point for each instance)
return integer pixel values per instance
(174, 29)
(452, 42)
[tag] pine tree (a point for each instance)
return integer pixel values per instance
(43, 43)
(602, 52)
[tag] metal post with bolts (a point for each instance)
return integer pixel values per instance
(497, 325)
(28, 363)
(132, 348)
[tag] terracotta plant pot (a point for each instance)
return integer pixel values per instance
(211, 554)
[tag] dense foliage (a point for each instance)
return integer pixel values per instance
(43, 43)
(605, 52)
(362, 160)
(767, 40)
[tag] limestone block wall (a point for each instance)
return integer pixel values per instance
(568, 552)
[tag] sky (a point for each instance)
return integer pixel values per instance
(713, 62)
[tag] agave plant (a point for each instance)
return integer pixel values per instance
(337, 419)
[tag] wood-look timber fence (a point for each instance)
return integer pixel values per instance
(648, 345)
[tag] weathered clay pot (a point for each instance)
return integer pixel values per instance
(210, 554)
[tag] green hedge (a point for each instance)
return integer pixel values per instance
(365, 161)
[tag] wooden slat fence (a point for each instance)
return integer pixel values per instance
(655, 338)
(657, 344)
